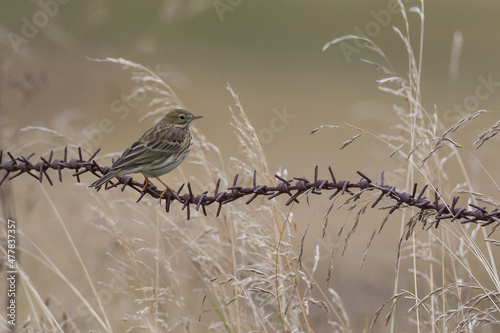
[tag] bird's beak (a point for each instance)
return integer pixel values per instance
(196, 117)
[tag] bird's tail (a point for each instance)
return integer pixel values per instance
(103, 180)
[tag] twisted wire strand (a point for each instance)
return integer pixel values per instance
(292, 187)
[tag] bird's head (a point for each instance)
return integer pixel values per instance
(180, 117)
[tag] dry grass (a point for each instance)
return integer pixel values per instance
(450, 294)
(237, 272)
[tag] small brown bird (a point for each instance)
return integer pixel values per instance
(158, 151)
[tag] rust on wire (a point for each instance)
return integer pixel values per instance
(293, 188)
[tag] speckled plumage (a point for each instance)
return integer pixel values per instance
(158, 151)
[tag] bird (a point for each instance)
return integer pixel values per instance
(158, 151)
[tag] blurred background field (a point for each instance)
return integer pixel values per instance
(270, 53)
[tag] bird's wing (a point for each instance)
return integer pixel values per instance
(153, 145)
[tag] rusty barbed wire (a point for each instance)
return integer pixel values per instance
(294, 188)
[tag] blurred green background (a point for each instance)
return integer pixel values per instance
(270, 52)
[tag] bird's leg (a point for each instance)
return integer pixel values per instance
(166, 188)
(146, 183)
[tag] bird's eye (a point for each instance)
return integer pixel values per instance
(181, 117)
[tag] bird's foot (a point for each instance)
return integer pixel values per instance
(162, 195)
